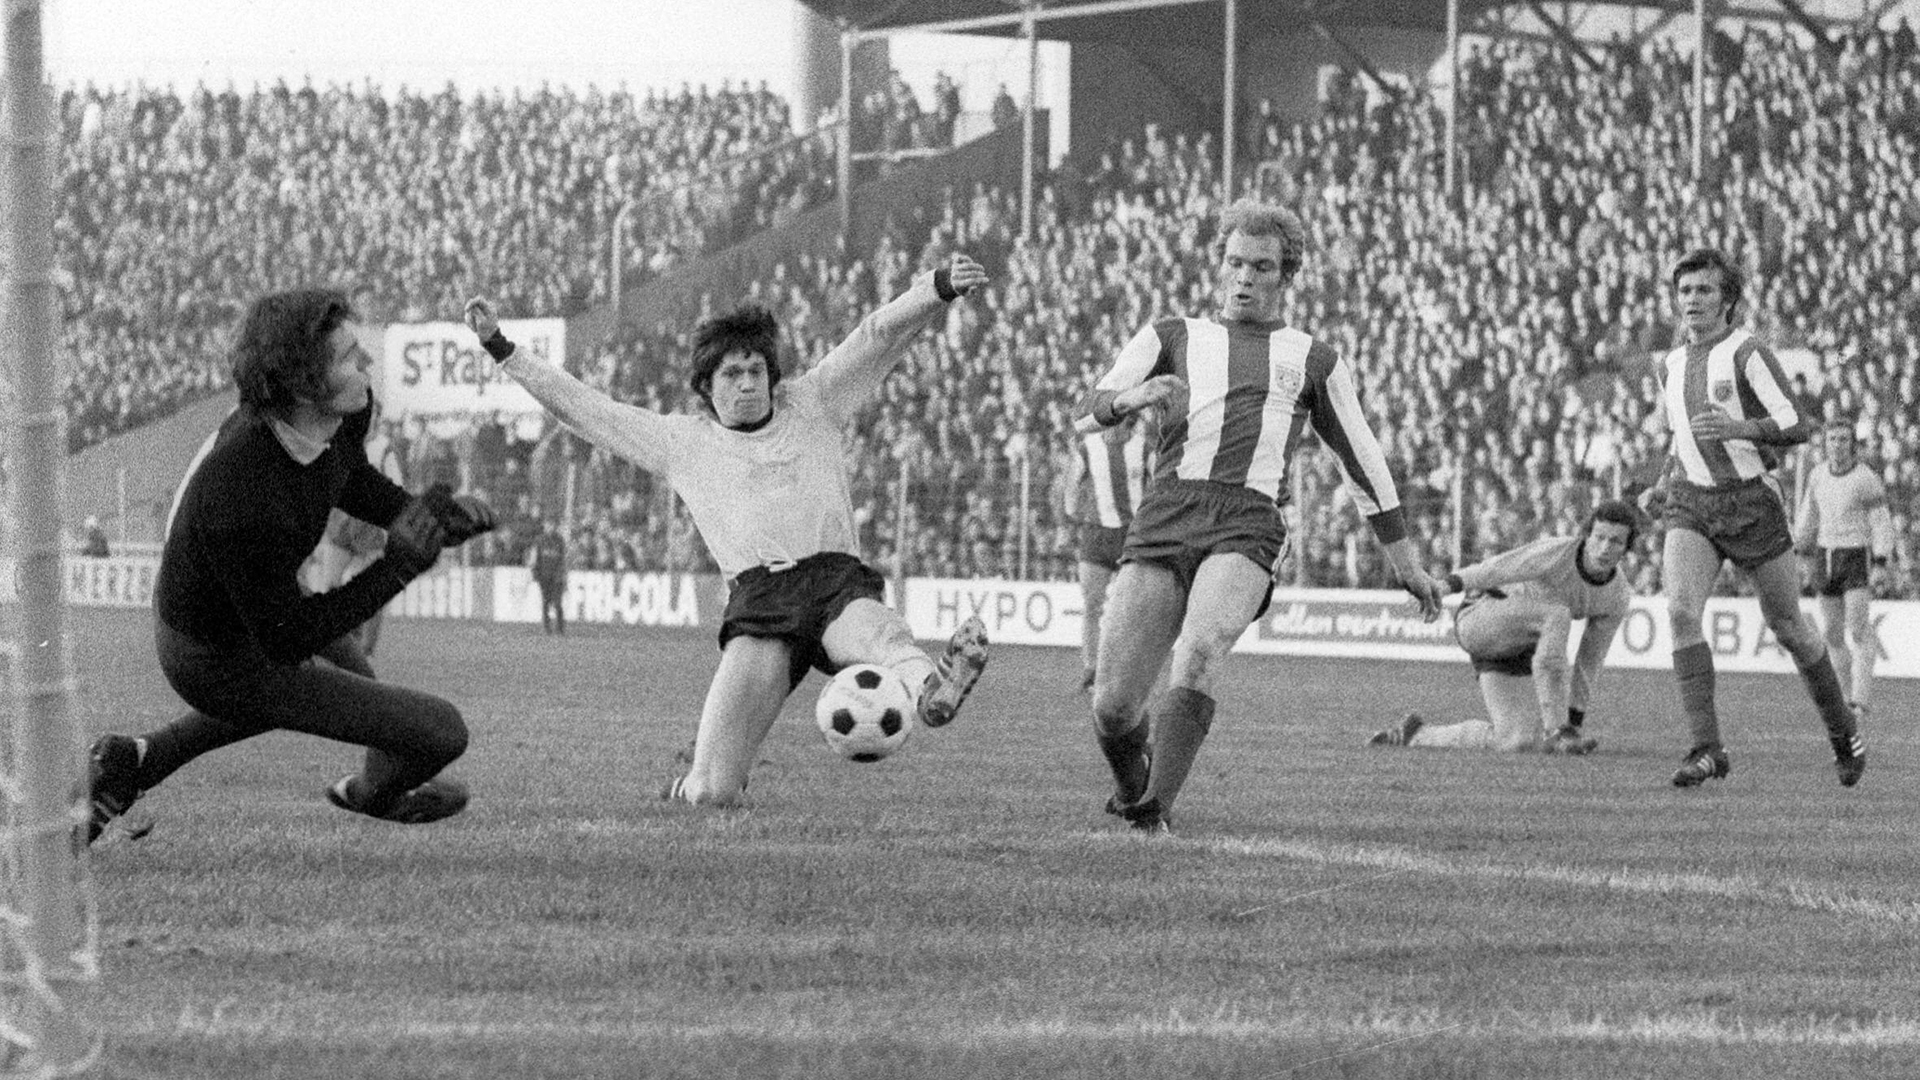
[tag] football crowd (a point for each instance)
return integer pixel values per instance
(1503, 338)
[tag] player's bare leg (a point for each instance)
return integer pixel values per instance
(1145, 606)
(1866, 647)
(1689, 566)
(743, 701)
(1835, 629)
(1226, 593)
(1094, 580)
(1777, 581)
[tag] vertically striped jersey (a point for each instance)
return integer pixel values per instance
(1116, 473)
(1252, 390)
(1739, 374)
(1845, 510)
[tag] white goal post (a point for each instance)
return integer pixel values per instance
(49, 956)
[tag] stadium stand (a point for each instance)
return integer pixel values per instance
(1504, 339)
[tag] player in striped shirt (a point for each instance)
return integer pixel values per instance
(1234, 393)
(1726, 404)
(1516, 625)
(1846, 531)
(1106, 477)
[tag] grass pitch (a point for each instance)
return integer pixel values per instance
(965, 910)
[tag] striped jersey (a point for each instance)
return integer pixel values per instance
(1847, 510)
(1739, 374)
(1116, 473)
(1252, 389)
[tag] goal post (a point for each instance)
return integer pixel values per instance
(49, 959)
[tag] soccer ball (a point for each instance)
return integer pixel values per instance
(866, 712)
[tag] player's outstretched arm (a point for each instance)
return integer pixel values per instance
(634, 433)
(853, 370)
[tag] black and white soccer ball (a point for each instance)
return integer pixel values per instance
(865, 712)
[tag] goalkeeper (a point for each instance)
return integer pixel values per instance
(1516, 623)
(235, 631)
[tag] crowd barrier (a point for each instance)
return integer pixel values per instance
(1299, 622)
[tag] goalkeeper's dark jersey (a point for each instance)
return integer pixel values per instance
(249, 513)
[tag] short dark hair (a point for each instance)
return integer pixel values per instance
(750, 329)
(280, 355)
(1614, 512)
(1731, 280)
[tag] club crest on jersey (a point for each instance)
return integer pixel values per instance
(1722, 391)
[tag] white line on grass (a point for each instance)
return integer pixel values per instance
(1701, 1028)
(1789, 894)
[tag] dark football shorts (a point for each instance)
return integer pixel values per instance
(1102, 546)
(797, 604)
(1839, 571)
(1746, 522)
(1181, 522)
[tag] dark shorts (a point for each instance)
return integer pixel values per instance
(796, 605)
(1102, 546)
(1839, 571)
(1745, 522)
(1181, 522)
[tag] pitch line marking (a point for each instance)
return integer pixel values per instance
(1789, 894)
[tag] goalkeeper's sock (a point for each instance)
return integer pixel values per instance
(1693, 670)
(166, 750)
(1180, 725)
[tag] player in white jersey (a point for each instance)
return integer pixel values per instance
(762, 470)
(1234, 393)
(1111, 465)
(1725, 402)
(1846, 531)
(1516, 625)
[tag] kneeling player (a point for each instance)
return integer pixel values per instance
(1516, 623)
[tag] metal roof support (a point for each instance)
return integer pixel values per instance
(1018, 18)
(1447, 174)
(1026, 121)
(1354, 56)
(1229, 97)
(1699, 92)
(844, 165)
(1827, 45)
(1563, 35)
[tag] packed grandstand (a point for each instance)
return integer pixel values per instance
(1503, 337)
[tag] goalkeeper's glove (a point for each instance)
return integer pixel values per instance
(462, 516)
(414, 540)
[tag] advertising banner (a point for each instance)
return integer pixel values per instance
(694, 601)
(438, 370)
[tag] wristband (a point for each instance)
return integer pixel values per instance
(1576, 717)
(943, 285)
(498, 346)
(1455, 584)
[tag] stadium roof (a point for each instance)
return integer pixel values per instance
(1198, 23)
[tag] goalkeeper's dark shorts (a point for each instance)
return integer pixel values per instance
(1182, 522)
(796, 604)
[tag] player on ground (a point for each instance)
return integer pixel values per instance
(1726, 404)
(1516, 624)
(1846, 531)
(1233, 393)
(234, 628)
(1111, 465)
(762, 472)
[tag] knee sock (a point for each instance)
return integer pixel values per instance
(1126, 755)
(1180, 725)
(1823, 686)
(1693, 670)
(180, 742)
